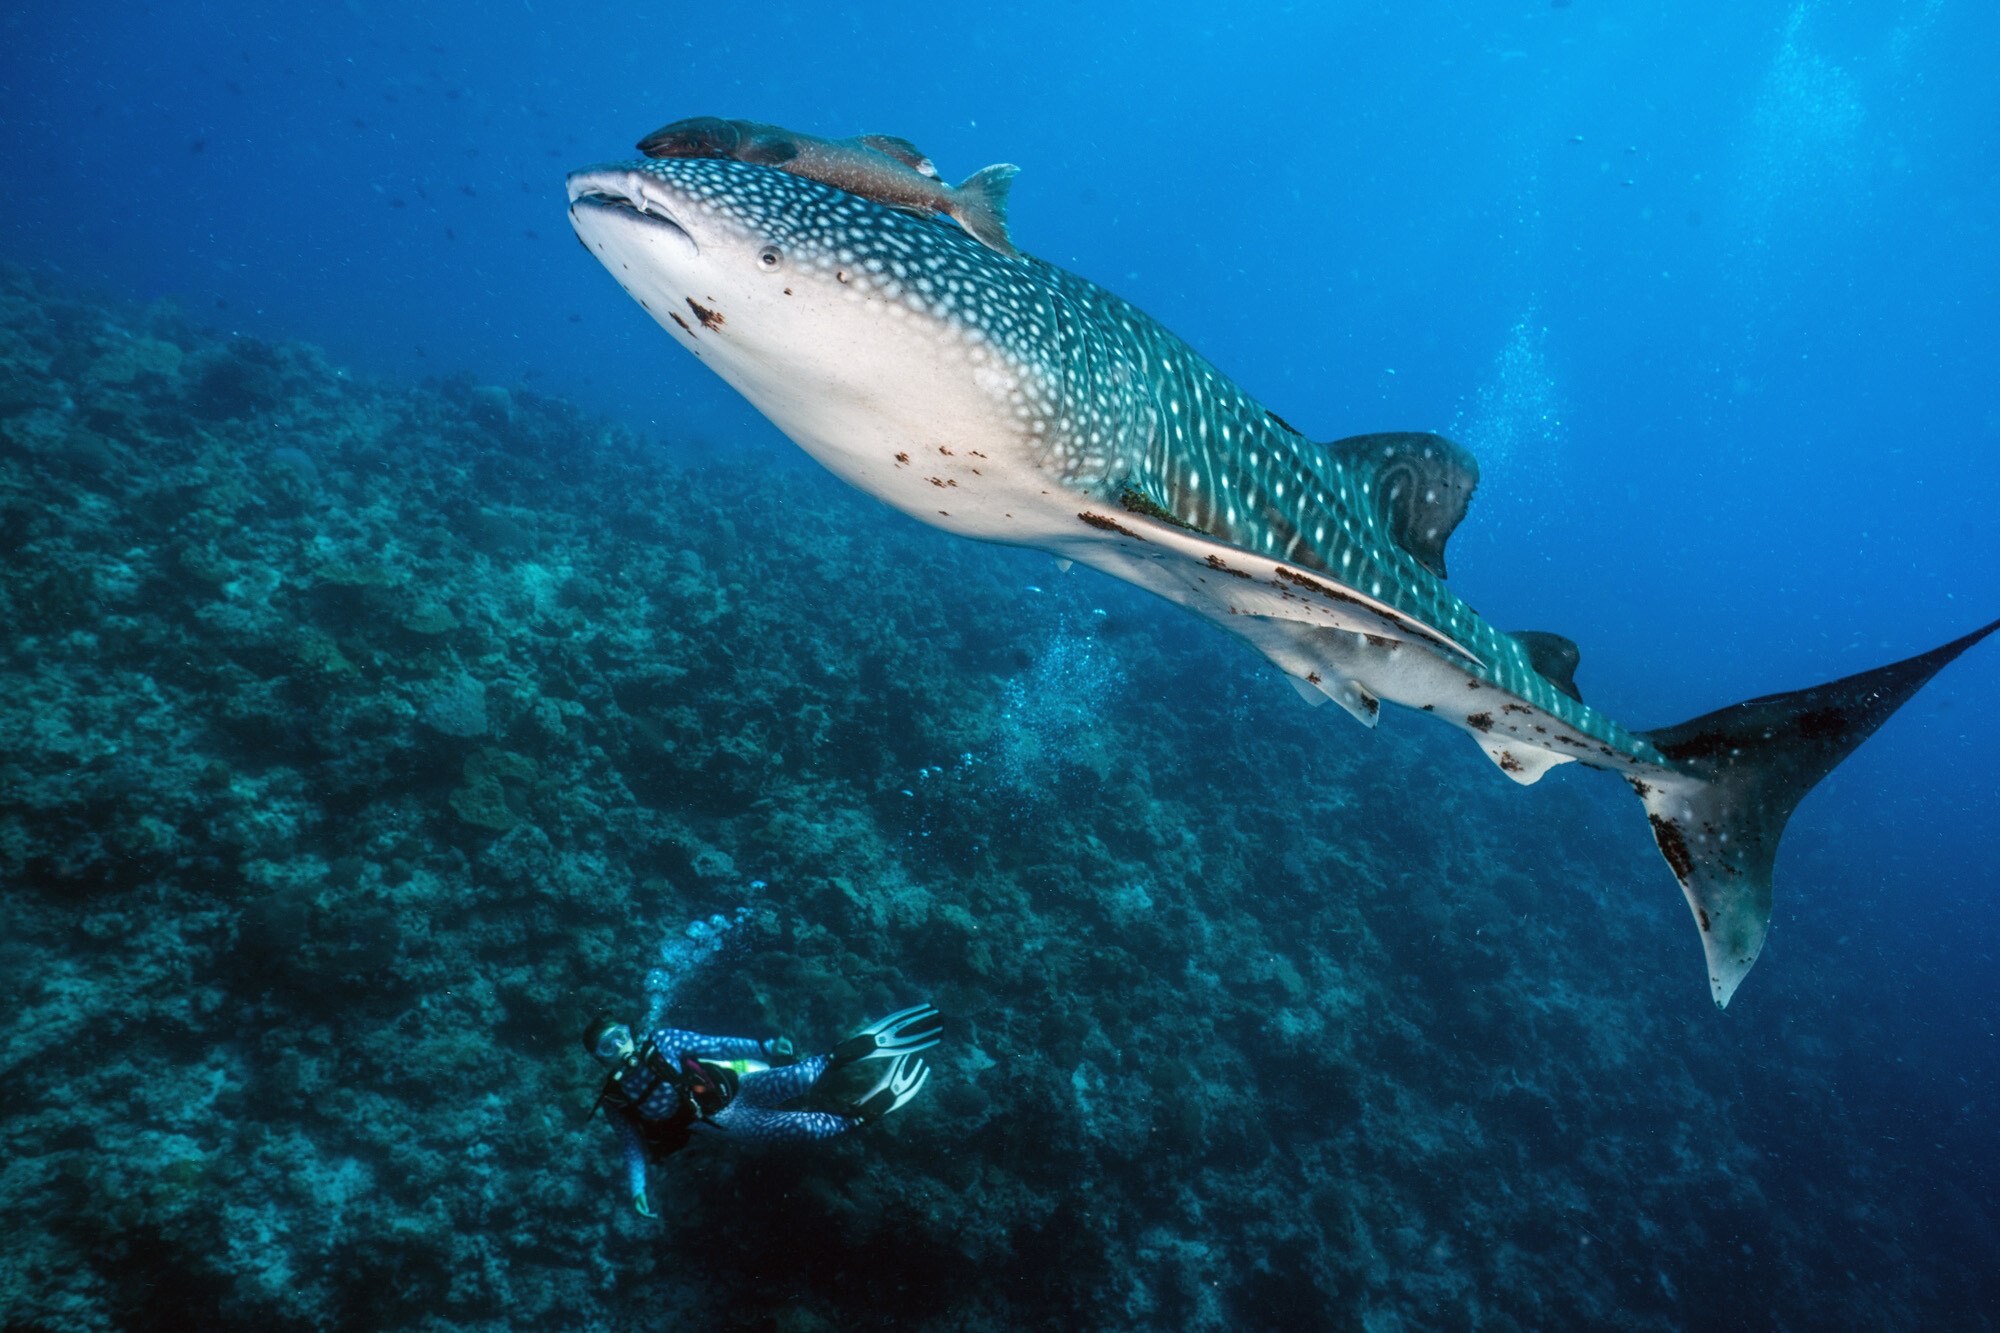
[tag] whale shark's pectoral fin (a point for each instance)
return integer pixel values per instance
(1221, 580)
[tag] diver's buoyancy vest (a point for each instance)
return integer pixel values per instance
(662, 1135)
(722, 1076)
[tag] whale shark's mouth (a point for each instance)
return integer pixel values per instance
(611, 190)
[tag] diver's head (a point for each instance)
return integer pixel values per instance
(609, 1039)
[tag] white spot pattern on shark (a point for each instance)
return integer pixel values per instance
(1103, 438)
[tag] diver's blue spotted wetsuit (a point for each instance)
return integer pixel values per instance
(651, 1100)
(658, 1094)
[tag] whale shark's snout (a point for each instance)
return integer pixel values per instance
(604, 199)
(826, 310)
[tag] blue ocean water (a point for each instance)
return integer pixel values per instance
(1711, 292)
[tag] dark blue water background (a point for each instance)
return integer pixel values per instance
(1710, 288)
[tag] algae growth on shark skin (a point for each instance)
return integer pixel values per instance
(291, 1038)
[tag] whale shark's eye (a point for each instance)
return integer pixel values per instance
(770, 259)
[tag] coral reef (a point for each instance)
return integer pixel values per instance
(357, 740)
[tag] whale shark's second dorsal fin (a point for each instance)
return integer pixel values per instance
(1553, 657)
(1421, 484)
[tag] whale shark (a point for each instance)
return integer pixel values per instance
(1001, 398)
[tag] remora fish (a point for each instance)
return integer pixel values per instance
(875, 166)
(1005, 399)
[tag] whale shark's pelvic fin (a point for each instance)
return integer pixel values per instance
(1737, 776)
(1357, 699)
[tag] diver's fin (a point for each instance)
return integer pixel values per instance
(1737, 776)
(1422, 485)
(1553, 657)
(900, 1082)
(980, 205)
(901, 149)
(904, 1032)
(1518, 760)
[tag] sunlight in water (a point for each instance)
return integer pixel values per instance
(1802, 151)
(682, 956)
(1515, 417)
(1054, 711)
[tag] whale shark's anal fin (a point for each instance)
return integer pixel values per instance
(1738, 773)
(1520, 761)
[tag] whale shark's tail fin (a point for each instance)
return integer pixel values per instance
(1741, 771)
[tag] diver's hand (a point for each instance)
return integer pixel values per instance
(640, 1206)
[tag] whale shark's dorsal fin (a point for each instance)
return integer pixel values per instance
(1553, 657)
(1422, 485)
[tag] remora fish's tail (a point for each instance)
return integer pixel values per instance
(1740, 772)
(980, 205)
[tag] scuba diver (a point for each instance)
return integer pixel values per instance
(661, 1092)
